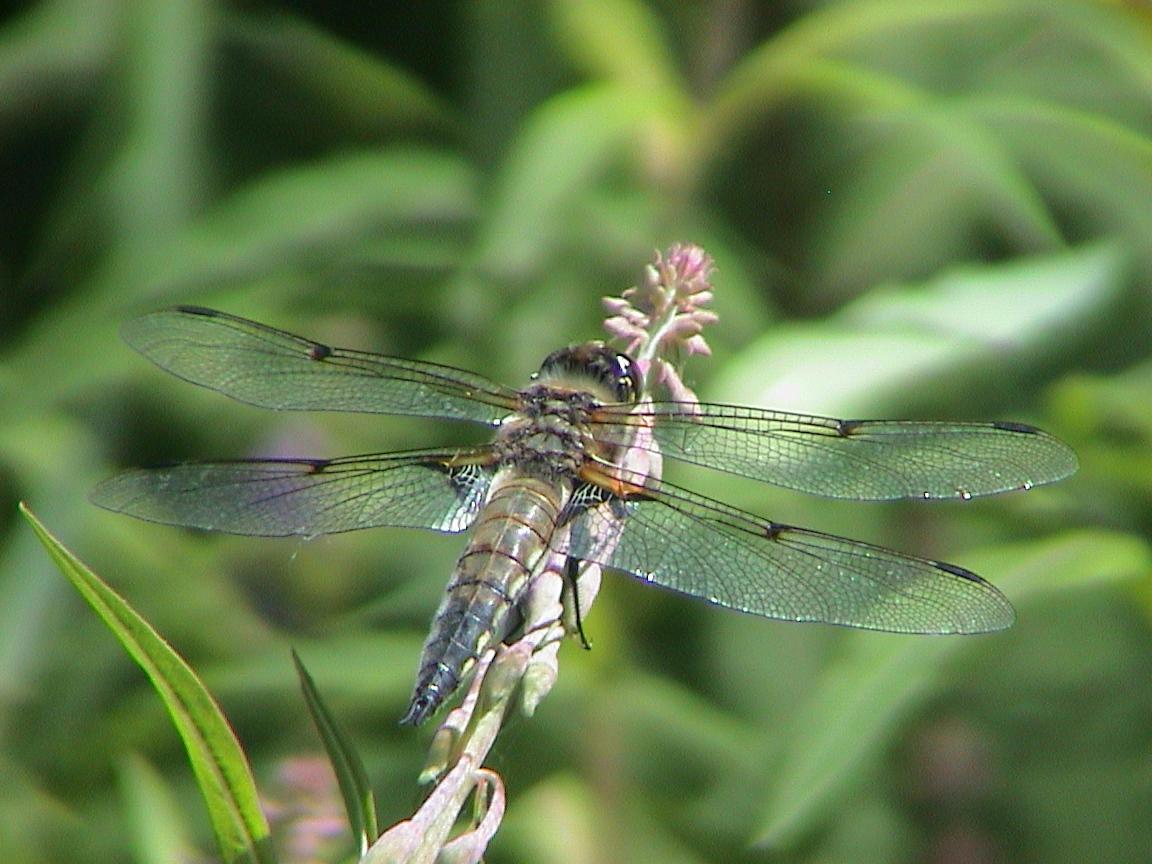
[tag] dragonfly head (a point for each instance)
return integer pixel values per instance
(610, 375)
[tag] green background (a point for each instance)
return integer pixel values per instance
(923, 209)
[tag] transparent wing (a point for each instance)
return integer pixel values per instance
(283, 497)
(860, 459)
(701, 547)
(273, 369)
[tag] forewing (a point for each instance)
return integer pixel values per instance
(283, 497)
(859, 459)
(701, 547)
(274, 369)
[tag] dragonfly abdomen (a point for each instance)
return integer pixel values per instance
(510, 542)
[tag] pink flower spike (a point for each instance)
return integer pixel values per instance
(663, 316)
(615, 305)
(621, 328)
(682, 327)
(697, 345)
(705, 316)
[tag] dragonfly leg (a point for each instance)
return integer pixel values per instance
(572, 576)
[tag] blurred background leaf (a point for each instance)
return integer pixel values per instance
(933, 209)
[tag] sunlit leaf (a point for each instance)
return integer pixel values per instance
(978, 324)
(218, 762)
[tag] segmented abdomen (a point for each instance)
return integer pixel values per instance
(510, 540)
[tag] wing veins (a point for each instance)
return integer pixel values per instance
(811, 575)
(255, 364)
(333, 496)
(861, 459)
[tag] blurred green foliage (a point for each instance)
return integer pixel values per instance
(933, 209)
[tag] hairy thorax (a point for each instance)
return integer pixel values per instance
(551, 435)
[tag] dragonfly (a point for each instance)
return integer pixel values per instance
(559, 475)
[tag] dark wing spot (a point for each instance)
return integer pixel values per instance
(1009, 426)
(845, 428)
(197, 310)
(959, 571)
(316, 466)
(318, 351)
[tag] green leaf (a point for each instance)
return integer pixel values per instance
(359, 801)
(618, 40)
(562, 151)
(154, 814)
(158, 174)
(305, 218)
(972, 326)
(1070, 560)
(360, 89)
(219, 764)
(861, 704)
(368, 208)
(1103, 165)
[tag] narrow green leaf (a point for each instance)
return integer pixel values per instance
(217, 760)
(359, 802)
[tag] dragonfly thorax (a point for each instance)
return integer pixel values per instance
(550, 434)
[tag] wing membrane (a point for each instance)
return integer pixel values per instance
(270, 368)
(731, 558)
(859, 459)
(285, 497)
